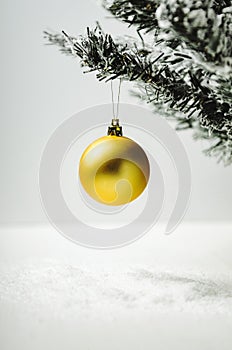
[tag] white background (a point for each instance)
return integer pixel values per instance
(40, 88)
(162, 292)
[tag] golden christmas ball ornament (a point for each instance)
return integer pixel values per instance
(114, 170)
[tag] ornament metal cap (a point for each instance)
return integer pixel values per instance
(115, 129)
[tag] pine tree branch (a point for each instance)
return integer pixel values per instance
(204, 26)
(60, 41)
(164, 78)
(221, 144)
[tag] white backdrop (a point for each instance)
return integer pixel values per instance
(161, 292)
(40, 88)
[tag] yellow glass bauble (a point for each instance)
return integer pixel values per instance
(114, 170)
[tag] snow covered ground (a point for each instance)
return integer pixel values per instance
(161, 292)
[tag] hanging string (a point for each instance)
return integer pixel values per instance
(115, 115)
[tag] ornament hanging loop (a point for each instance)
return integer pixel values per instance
(115, 112)
(115, 128)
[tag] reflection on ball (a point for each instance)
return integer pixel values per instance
(114, 170)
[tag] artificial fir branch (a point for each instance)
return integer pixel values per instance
(205, 26)
(60, 41)
(164, 78)
(186, 68)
